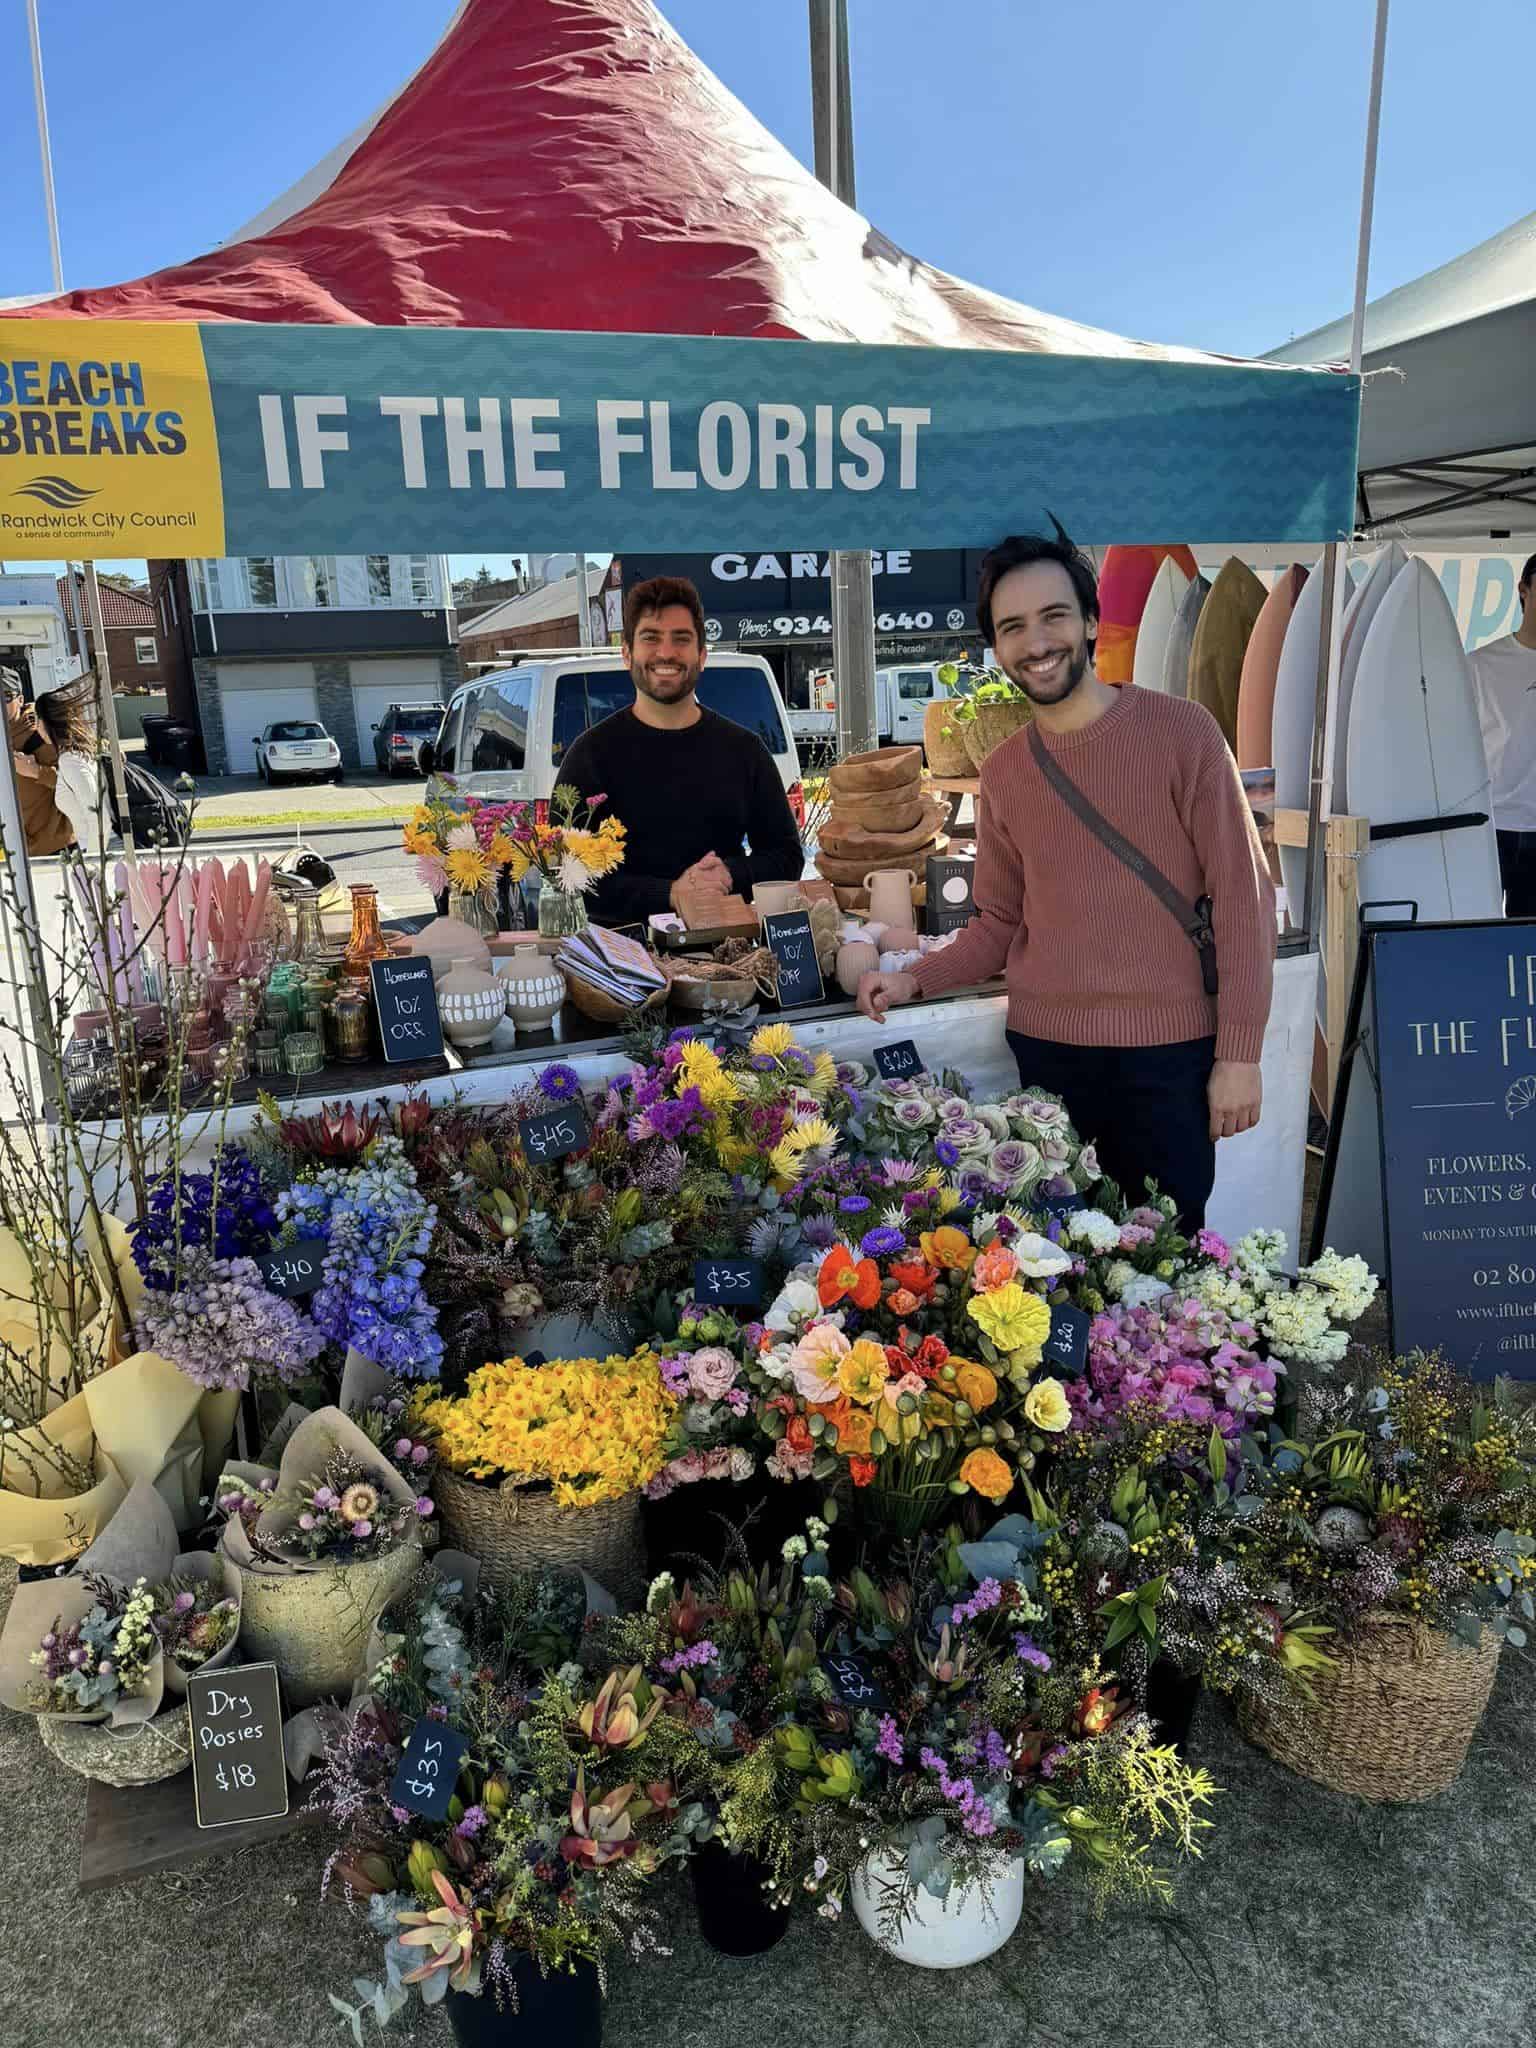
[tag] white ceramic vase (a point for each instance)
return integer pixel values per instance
(941, 1934)
(535, 990)
(471, 1004)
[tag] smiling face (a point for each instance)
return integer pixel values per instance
(665, 656)
(1039, 633)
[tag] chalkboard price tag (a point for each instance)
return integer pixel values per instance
(900, 1061)
(406, 1000)
(429, 1770)
(790, 940)
(549, 1137)
(1067, 1346)
(854, 1683)
(1062, 1206)
(238, 1768)
(295, 1270)
(729, 1283)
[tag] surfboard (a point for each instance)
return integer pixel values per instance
(1222, 633)
(1168, 586)
(1261, 669)
(1181, 637)
(1125, 580)
(1359, 613)
(1291, 725)
(1416, 752)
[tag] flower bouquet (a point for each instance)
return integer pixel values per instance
(1406, 1525)
(566, 1448)
(340, 1532)
(102, 1655)
(574, 1793)
(1296, 1320)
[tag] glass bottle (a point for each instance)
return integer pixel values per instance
(350, 1034)
(562, 912)
(308, 930)
(367, 942)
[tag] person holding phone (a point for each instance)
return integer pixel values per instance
(1139, 979)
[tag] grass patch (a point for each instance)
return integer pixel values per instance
(246, 821)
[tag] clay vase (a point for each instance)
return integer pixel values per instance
(946, 754)
(471, 1003)
(535, 990)
(890, 897)
(447, 940)
(854, 958)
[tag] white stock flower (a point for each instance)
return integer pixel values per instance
(1093, 1228)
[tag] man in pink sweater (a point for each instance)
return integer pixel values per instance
(1107, 1003)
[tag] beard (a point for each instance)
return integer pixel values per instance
(668, 689)
(1060, 688)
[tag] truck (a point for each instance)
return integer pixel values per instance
(903, 693)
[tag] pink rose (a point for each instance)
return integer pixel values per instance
(711, 1373)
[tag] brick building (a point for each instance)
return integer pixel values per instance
(137, 649)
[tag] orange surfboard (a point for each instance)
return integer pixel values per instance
(1124, 582)
(1261, 667)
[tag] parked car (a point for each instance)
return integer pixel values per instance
(505, 734)
(296, 749)
(399, 736)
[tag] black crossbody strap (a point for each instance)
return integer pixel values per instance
(1194, 919)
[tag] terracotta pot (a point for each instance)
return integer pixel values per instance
(471, 1003)
(447, 939)
(993, 724)
(946, 752)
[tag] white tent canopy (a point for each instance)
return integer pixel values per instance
(1448, 426)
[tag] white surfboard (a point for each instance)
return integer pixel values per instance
(1291, 729)
(1181, 637)
(1416, 751)
(1157, 617)
(1361, 609)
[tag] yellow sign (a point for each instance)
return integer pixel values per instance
(107, 442)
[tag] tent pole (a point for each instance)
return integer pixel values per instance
(32, 984)
(40, 101)
(852, 570)
(106, 706)
(1325, 716)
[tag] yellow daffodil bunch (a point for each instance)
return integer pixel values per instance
(594, 1429)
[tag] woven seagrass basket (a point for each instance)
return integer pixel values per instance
(993, 724)
(1392, 1721)
(946, 751)
(597, 1006)
(513, 1528)
(140, 1755)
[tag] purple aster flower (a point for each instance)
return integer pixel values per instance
(762, 1063)
(854, 1205)
(946, 1153)
(560, 1082)
(883, 1242)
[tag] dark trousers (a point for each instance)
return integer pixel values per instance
(1144, 1107)
(1517, 871)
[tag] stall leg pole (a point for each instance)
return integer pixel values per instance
(852, 578)
(107, 709)
(1324, 735)
(31, 987)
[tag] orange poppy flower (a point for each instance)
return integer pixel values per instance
(949, 1248)
(862, 1470)
(854, 1433)
(915, 1278)
(836, 1412)
(842, 1277)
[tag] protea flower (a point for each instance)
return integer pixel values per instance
(338, 1132)
(603, 1832)
(623, 1711)
(1099, 1708)
(453, 1932)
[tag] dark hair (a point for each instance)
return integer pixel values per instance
(655, 596)
(1018, 551)
(68, 716)
(1527, 573)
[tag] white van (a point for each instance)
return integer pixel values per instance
(902, 696)
(505, 734)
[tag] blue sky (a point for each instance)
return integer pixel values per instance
(1186, 172)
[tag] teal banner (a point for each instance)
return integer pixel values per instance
(353, 438)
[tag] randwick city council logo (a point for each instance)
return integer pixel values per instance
(56, 492)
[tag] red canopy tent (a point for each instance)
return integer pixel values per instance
(570, 164)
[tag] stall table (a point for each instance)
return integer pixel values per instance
(957, 788)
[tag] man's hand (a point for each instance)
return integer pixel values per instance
(710, 873)
(881, 992)
(1235, 1093)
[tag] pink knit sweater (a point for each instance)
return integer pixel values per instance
(1092, 957)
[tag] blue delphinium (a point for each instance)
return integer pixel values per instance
(223, 1214)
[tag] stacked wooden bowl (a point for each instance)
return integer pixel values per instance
(881, 817)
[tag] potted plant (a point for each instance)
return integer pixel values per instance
(943, 745)
(575, 1791)
(991, 711)
(543, 1465)
(1405, 1520)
